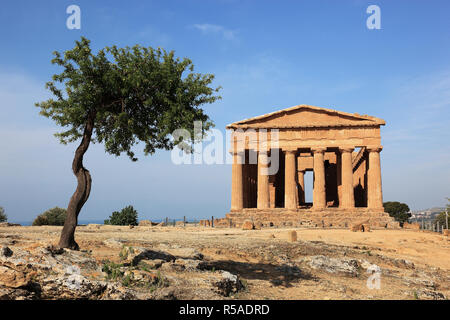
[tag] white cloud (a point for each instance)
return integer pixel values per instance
(207, 28)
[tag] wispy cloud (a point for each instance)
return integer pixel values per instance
(215, 29)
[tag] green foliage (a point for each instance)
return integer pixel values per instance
(113, 270)
(51, 217)
(125, 252)
(441, 217)
(127, 216)
(125, 274)
(135, 94)
(399, 211)
(3, 216)
(160, 282)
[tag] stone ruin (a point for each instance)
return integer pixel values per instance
(341, 149)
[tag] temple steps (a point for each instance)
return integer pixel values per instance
(328, 217)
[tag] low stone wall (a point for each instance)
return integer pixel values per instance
(329, 217)
(414, 226)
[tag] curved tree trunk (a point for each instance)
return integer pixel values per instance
(79, 198)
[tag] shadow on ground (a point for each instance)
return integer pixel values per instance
(278, 275)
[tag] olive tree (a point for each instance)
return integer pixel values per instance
(120, 97)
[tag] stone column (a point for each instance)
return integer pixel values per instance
(301, 187)
(347, 199)
(374, 193)
(237, 190)
(290, 185)
(319, 195)
(263, 181)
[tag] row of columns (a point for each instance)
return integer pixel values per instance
(291, 200)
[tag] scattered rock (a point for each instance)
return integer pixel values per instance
(365, 264)
(333, 265)
(186, 253)
(189, 264)
(419, 282)
(363, 227)
(9, 224)
(230, 284)
(93, 226)
(429, 295)
(145, 254)
(114, 243)
(12, 278)
(145, 223)
(198, 256)
(258, 225)
(16, 294)
(54, 250)
(165, 294)
(414, 226)
(248, 225)
(292, 235)
(6, 252)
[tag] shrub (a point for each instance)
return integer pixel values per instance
(3, 216)
(399, 211)
(442, 217)
(51, 217)
(128, 216)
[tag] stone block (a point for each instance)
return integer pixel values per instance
(248, 225)
(292, 236)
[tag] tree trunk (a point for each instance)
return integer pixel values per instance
(79, 198)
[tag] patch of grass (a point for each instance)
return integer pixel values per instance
(112, 270)
(124, 272)
(244, 285)
(143, 266)
(123, 254)
(416, 296)
(159, 282)
(127, 280)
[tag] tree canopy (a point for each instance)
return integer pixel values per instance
(52, 217)
(120, 97)
(399, 211)
(126, 217)
(134, 94)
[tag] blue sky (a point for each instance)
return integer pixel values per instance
(266, 55)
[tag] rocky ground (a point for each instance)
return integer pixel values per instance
(211, 263)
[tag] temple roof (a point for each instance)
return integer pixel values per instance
(305, 116)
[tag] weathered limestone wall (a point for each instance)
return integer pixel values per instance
(329, 217)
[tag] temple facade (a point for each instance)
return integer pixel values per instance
(273, 152)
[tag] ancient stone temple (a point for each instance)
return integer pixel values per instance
(273, 152)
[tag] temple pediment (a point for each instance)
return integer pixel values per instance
(305, 116)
